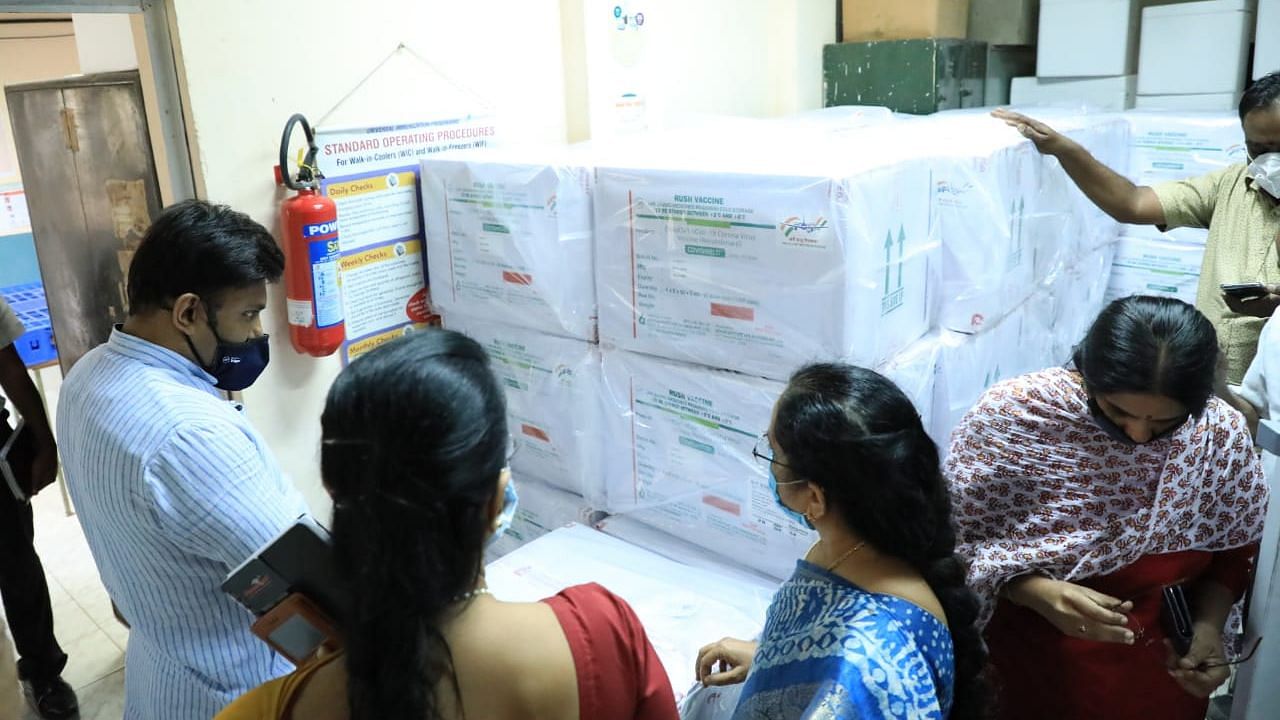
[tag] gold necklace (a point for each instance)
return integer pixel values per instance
(846, 555)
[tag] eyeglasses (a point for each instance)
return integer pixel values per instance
(513, 448)
(763, 453)
(1248, 656)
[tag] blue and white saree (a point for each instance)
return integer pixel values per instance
(833, 650)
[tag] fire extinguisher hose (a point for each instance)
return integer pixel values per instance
(308, 175)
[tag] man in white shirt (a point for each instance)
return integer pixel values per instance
(173, 485)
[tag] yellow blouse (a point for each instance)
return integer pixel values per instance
(274, 700)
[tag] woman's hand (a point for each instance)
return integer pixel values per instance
(1203, 668)
(1074, 609)
(729, 659)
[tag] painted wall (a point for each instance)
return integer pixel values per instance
(104, 42)
(31, 52)
(249, 65)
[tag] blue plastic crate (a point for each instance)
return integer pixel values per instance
(36, 347)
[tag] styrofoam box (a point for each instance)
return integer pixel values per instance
(541, 510)
(681, 607)
(509, 237)
(1104, 93)
(553, 389)
(1197, 47)
(1083, 38)
(1266, 54)
(1152, 267)
(762, 272)
(1207, 102)
(678, 458)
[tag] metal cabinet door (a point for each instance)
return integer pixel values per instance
(90, 179)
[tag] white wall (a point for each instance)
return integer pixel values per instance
(104, 42)
(249, 65)
(30, 52)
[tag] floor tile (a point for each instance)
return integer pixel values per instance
(91, 658)
(104, 699)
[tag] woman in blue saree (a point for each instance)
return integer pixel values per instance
(876, 622)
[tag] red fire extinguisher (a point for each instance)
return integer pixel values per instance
(309, 222)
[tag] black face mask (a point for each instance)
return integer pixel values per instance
(1117, 433)
(235, 366)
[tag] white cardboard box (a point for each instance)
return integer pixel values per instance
(1167, 145)
(987, 179)
(969, 364)
(735, 268)
(1083, 38)
(1197, 47)
(1144, 266)
(553, 389)
(1077, 296)
(542, 509)
(1102, 93)
(679, 459)
(1266, 55)
(509, 237)
(915, 372)
(682, 607)
(1205, 102)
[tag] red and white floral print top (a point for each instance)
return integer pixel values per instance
(1039, 487)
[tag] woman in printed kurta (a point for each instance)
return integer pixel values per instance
(876, 622)
(1081, 494)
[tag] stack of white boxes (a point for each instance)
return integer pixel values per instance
(1168, 146)
(1194, 55)
(510, 252)
(1026, 255)
(1086, 55)
(947, 264)
(1151, 54)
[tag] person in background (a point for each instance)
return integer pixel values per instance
(1081, 494)
(22, 582)
(1258, 397)
(1240, 205)
(173, 485)
(876, 622)
(414, 453)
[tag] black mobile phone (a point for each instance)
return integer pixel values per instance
(1176, 617)
(1244, 291)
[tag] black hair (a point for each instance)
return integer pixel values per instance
(414, 441)
(1151, 345)
(1263, 93)
(854, 434)
(198, 247)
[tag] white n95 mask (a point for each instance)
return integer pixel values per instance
(1265, 171)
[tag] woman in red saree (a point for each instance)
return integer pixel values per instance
(1081, 494)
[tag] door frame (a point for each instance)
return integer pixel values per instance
(164, 64)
